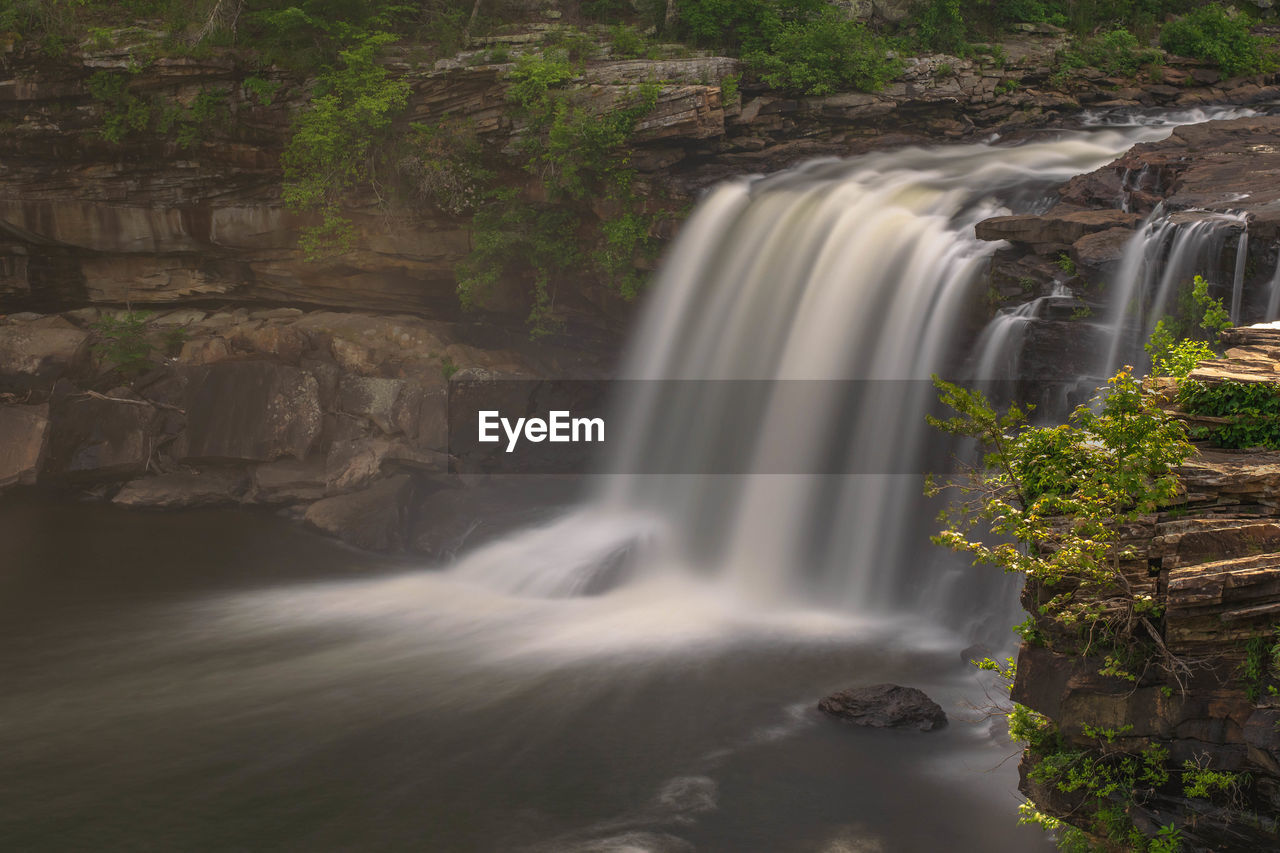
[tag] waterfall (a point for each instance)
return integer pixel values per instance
(1166, 252)
(998, 351)
(1273, 300)
(1237, 282)
(832, 292)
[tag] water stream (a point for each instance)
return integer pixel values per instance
(637, 673)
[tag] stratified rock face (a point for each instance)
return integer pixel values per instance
(147, 221)
(1060, 230)
(24, 433)
(885, 706)
(253, 411)
(1212, 565)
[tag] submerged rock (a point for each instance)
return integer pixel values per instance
(885, 706)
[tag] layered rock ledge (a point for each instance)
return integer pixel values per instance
(1212, 561)
(88, 221)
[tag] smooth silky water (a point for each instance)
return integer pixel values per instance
(225, 681)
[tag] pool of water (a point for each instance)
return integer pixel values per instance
(224, 680)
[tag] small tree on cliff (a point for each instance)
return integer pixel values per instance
(1049, 502)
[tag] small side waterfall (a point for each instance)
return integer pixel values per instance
(1273, 300)
(1237, 282)
(1167, 252)
(998, 351)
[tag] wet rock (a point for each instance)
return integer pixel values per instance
(254, 411)
(1097, 255)
(885, 706)
(183, 489)
(375, 518)
(24, 434)
(1056, 228)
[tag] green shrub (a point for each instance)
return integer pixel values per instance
(1115, 52)
(627, 41)
(310, 33)
(1213, 34)
(124, 342)
(605, 11)
(729, 89)
(821, 56)
(743, 25)
(942, 26)
(263, 90)
(1253, 408)
(335, 138)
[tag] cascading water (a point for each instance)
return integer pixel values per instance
(639, 674)
(1273, 299)
(838, 270)
(1166, 253)
(998, 351)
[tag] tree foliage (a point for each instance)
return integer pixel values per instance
(1047, 502)
(1222, 37)
(335, 141)
(824, 55)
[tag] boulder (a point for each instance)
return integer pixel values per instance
(36, 353)
(375, 518)
(375, 399)
(885, 706)
(1097, 255)
(24, 434)
(253, 411)
(94, 439)
(183, 489)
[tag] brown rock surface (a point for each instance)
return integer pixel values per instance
(24, 434)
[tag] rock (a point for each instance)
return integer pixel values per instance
(885, 706)
(1056, 228)
(183, 489)
(375, 519)
(289, 481)
(254, 411)
(1097, 255)
(35, 354)
(24, 434)
(95, 439)
(351, 464)
(375, 399)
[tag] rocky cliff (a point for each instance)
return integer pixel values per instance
(339, 418)
(1211, 562)
(84, 220)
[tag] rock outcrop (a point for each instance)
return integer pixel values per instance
(146, 220)
(1226, 173)
(1211, 563)
(341, 418)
